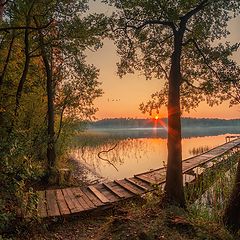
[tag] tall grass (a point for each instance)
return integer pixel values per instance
(208, 197)
(95, 138)
(198, 150)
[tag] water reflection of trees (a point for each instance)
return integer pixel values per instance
(198, 150)
(126, 149)
(132, 145)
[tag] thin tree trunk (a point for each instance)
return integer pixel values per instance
(2, 123)
(231, 216)
(174, 180)
(26, 64)
(51, 154)
(24, 73)
(7, 59)
(27, 59)
(25, 69)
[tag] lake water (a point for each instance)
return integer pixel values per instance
(139, 150)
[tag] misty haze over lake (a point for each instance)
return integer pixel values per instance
(140, 149)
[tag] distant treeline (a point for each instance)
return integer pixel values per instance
(149, 123)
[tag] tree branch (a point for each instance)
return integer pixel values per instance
(6, 29)
(106, 151)
(191, 85)
(35, 56)
(202, 54)
(61, 123)
(152, 22)
(198, 8)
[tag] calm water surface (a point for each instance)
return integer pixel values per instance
(137, 150)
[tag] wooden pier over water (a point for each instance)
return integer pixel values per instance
(76, 200)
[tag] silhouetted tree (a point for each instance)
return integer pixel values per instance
(174, 40)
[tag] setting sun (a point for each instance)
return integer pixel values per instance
(156, 117)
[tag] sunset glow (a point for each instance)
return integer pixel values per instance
(133, 89)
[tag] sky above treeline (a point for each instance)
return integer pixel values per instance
(122, 96)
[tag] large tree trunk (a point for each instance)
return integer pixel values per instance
(231, 216)
(174, 180)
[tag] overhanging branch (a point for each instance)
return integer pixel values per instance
(6, 29)
(195, 10)
(202, 54)
(152, 22)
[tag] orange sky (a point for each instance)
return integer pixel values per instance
(122, 96)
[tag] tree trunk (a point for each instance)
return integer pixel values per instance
(174, 180)
(25, 69)
(231, 216)
(2, 100)
(7, 59)
(51, 154)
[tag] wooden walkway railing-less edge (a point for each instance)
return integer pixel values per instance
(75, 200)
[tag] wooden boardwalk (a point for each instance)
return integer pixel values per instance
(75, 200)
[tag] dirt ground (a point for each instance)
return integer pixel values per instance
(135, 220)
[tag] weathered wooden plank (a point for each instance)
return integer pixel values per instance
(70, 202)
(142, 183)
(42, 206)
(191, 172)
(79, 195)
(85, 198)
(64, 210)
(114, 190)
(99, 195)
(123, 190)
(107, 193)
(94, 199)
(128, 187)
(157, 177)
(146, 179)
(162, 169)
(77, 206)
(52, 206)
(136, 184)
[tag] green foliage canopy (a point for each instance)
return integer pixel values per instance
(144, 34)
